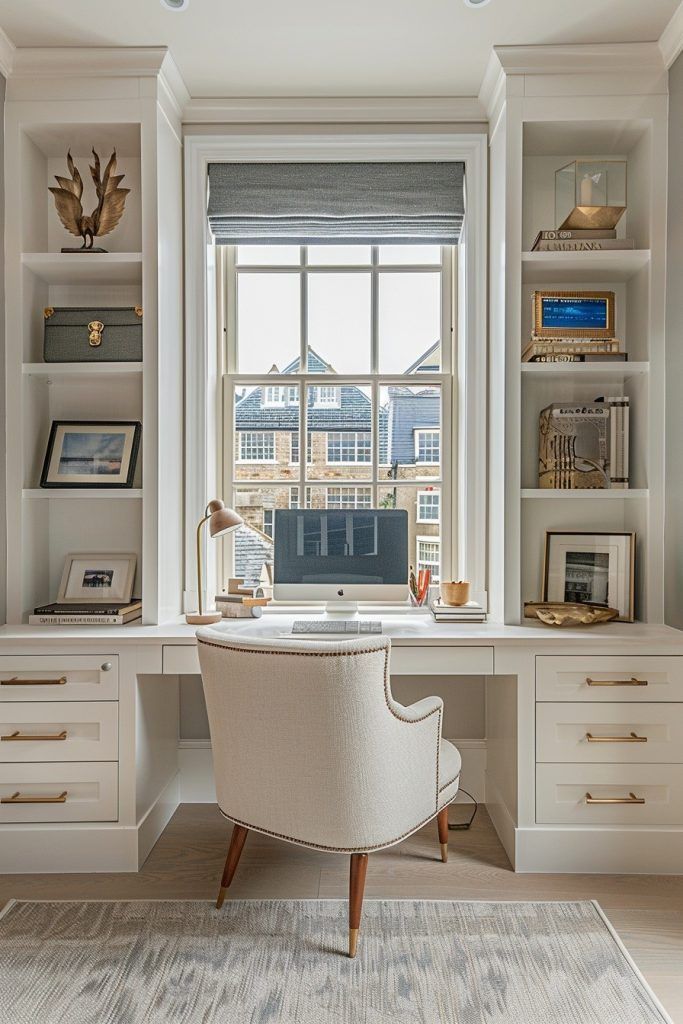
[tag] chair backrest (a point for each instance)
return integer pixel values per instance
(305, 739)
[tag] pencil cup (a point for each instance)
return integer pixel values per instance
(455, 594)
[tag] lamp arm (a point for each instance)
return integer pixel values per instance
(199, 559)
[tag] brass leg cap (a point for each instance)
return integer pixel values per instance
(444, 852)
(221, 897)
(353, 941)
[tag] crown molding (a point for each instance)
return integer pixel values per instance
(671, 39)
(578, 59)
(492, 88)
(335, 110)
(7, 51)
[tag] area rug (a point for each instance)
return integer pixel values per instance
(283, 962)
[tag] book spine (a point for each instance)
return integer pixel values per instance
(76, 620)
(565, 234)
(588, 245)
(620, 478)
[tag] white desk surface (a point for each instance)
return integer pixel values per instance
(410, 628)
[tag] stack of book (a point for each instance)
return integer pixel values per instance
(573, 350)
(470, 612)
(86, 614)
(579, 240)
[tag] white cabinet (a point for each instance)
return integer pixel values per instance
(59, 677)
(59, 731)
(601, 678)
(58, 792)
(609, 794)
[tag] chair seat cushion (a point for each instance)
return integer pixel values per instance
(450, 763)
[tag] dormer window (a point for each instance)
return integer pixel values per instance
(278, 397)
(326, 397)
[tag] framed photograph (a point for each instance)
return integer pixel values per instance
(573, 314)
(591, 568)
(97, 578)
(91, 454)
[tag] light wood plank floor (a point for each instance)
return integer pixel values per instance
(646, 910)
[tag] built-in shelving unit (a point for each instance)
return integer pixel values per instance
(44, 525)
(615, 115)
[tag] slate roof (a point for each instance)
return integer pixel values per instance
(407, 411)
(252, 551)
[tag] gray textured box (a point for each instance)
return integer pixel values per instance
(93, 334)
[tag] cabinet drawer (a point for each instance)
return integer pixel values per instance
(562, 792)
(59, 677)
(70, 791)
(625, 678)
(441, 661)
(63, 731)
(610, 733)
(180, 659)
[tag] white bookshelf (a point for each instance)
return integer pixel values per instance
(43, 121)
(606, 110)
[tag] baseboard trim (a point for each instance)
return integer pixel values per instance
(153, 823)
(599, 851)
(196, 770)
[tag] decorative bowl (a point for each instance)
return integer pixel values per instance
(455, 593)
(564, 613)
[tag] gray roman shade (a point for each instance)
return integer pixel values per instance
(336, 202)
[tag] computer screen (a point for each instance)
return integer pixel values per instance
(357, 555)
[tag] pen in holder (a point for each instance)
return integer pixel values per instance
(419, 586)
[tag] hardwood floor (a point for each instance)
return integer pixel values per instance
(186, 863)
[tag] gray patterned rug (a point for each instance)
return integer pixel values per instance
(283, 962)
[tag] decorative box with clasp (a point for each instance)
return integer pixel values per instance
(92, 334)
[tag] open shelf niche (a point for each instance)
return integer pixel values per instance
(47, 524)
(536, 136)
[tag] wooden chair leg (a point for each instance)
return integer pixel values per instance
(359, 867)
(239, 834)
(442, 822)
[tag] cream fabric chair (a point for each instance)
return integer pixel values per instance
(310, 746)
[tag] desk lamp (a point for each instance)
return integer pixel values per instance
(221, 520)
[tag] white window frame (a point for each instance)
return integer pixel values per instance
(356, 445)
(272, 402)
(419, 431)
(271, 512)
(243, 433)
(420, 539)
(292, 434)
(205, 351)
(329, 401)
(436, 493)
(342, 488)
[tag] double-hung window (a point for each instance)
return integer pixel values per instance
(343, 353)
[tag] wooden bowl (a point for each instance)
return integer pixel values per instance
(564, 613)
(455, 594)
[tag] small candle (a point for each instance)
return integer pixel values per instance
(586, 190)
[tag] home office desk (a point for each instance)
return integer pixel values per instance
(567, 786)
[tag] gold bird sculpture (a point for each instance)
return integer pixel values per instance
(110, 201)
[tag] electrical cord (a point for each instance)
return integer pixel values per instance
(462, 826)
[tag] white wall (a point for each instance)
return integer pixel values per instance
(673, 578)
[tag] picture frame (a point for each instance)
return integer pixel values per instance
(91, 453)
(587, 567)
(97, 578)
(573, 314)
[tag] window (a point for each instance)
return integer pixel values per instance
(268, 517)
(257, 446)
(428, 555)
(327, 397)
(372, 439)
(349, 497)
(348, 447)
(428, 506)
(427, 446)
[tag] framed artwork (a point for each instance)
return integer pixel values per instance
(591, 568)
(573, 314)
(97, 578)
(91, 454)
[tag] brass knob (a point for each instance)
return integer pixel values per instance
(95, 337)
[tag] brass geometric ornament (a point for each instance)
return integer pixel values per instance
(110, 202)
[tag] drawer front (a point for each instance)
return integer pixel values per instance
(63, 731)
(59, 677)
(441, 661)
(180, 659)
(628, 678)
(610, 733)
(647, 794)
(71, 791)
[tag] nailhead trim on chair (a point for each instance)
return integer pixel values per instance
(401, 718)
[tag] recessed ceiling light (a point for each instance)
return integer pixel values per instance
(476, 3)
(175, 5)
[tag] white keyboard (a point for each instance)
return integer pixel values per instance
(345, 627)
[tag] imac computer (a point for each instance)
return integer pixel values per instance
(341, 556)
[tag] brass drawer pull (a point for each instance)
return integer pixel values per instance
(631, 738)
(630, 799)
(616, 682)
(16, 681)
(15, 737)
(17, 798)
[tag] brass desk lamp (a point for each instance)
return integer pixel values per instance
(221, 520)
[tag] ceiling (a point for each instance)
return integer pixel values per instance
(319, 48)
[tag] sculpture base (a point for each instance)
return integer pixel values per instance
(195, 619)
(79, 248)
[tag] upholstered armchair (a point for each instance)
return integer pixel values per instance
(310, 746)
